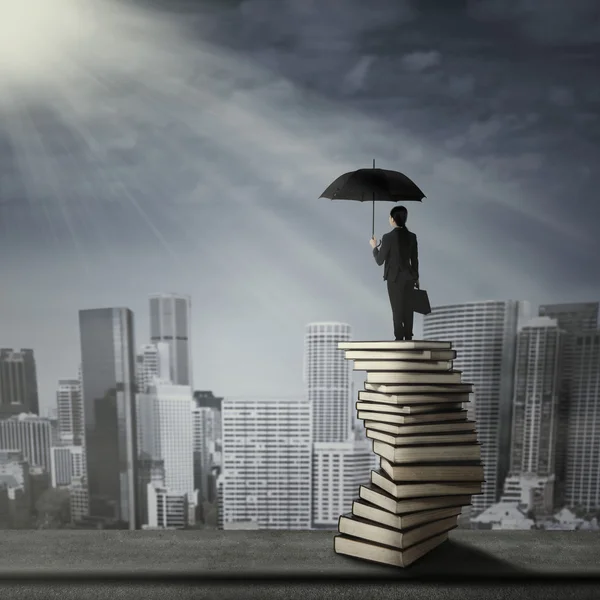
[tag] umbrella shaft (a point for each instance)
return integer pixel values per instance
(373, 221)
(373, 217)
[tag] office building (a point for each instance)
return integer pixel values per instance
(266, 464)
(67, 464)
(69, 405)
(572, 318)
(18, 383)
(108, 386)
(79, 500)
(484, 334)
(339, 469)
(531, 492)
(536, 398)
(15, 490)
(220, 510)
(582, 489)
(152, 361)
(149, 471)
(170, 322)
(206, 399)
(167, 509)
(207, 440)
(166, 434)
(32, 435)
(40, 483)
(207, 417)
(328, 381)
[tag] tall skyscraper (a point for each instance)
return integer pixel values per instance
(69, 404)
(152, 361)
(170, 322)
(484, 335)
(32, 435)
(339, 451)
(583, 441)
(572, 318)
(166, 434)
(18, 383)
(108, 385)
(266, 464)
(536, 398)
(327, 376)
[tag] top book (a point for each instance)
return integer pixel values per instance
(399, 345)
(406, 354)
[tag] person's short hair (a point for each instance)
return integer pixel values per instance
(399, 214)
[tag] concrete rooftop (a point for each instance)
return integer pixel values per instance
(266, 564)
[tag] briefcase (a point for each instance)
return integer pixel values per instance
(421, 302)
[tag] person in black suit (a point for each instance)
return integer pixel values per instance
(399, 250)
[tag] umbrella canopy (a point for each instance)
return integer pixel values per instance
(374, 184)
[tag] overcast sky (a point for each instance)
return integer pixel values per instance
(145, 151)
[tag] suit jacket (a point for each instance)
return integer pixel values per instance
(389, 252)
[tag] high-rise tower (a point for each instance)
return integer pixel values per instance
(170, 321)
(536, 398)
(18, 383)
(108, 385)
(582, 489)
(484, 334)
(328, 381)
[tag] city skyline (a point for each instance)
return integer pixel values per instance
(47, 400)
(119, 178)
(500, 343)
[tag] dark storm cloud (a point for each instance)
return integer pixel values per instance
(316, 24)
(420, 61)
(572, 22)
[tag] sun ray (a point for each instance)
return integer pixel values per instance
(136, 78)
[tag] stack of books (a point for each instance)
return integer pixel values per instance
(412, 406)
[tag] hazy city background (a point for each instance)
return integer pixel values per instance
(131, 445)
(144, 151)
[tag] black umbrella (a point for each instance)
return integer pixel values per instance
(374, 184)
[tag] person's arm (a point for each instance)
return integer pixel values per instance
(382, 252)
(414, 258)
